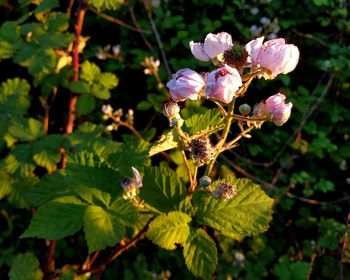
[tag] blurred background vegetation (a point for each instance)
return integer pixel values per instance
(304, 165)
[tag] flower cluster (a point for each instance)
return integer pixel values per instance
(237, 66)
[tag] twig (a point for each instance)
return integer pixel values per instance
(313, 258)
(274, 188)
(50, 261)
(75, 56)
(131, 128)
(119, 250)
(192, 186)
(345, 237)
(117, 21)
(134, 20)
(158, 39)
(306, 116)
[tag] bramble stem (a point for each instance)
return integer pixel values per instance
(231, 144)
(224, 135)
(188, 170)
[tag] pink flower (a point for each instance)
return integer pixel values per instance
(214, 44)
(277, 110)
(222, 84)
(185, 84)
(274, 56)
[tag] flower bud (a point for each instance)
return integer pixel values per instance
(107, 109)
(274, 56)
(222, 84)
(185, 84)
(205, 181)
(277, 110)
(244, 109)
(225, 191)
(202, 150)
(214, 45)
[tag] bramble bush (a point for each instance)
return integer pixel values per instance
(141, 141)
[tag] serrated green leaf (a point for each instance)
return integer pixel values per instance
(57, 21)
(89, 71)
(207, 123)
(100, 92)
(162, 189)
(19, 162)
(168, 230)
(6, 49)
(25, 267)
(21, 191)
(46, 151)
(5, 184)
(124, 210)
(26, 129)
(10, 31)
(79, 87)
(86, 104)
(14, 97)
(166, 142)
(106, 4)
(57, 219)
(130, 154)
(101, 228)
(93, 184)
(200, 254)
(46, 5)
(43, 61)
(248, 213)
(107, 80)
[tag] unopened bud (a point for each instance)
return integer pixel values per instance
(225, 191)
(245, 109)
(107, 109)
(110, 127)
(205, 181)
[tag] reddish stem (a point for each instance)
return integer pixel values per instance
(50, 262)
(75, 57)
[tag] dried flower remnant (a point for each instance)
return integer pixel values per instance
(131, 185)
(202, 150)
(225, 191)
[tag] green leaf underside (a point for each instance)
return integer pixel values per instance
(25, 267)
(200, 254)
(209, 122)
(166, 142)
(101, 228)
(168, 230)
(57, 219)
(162, 189)
(248, 213)
(95, 185)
